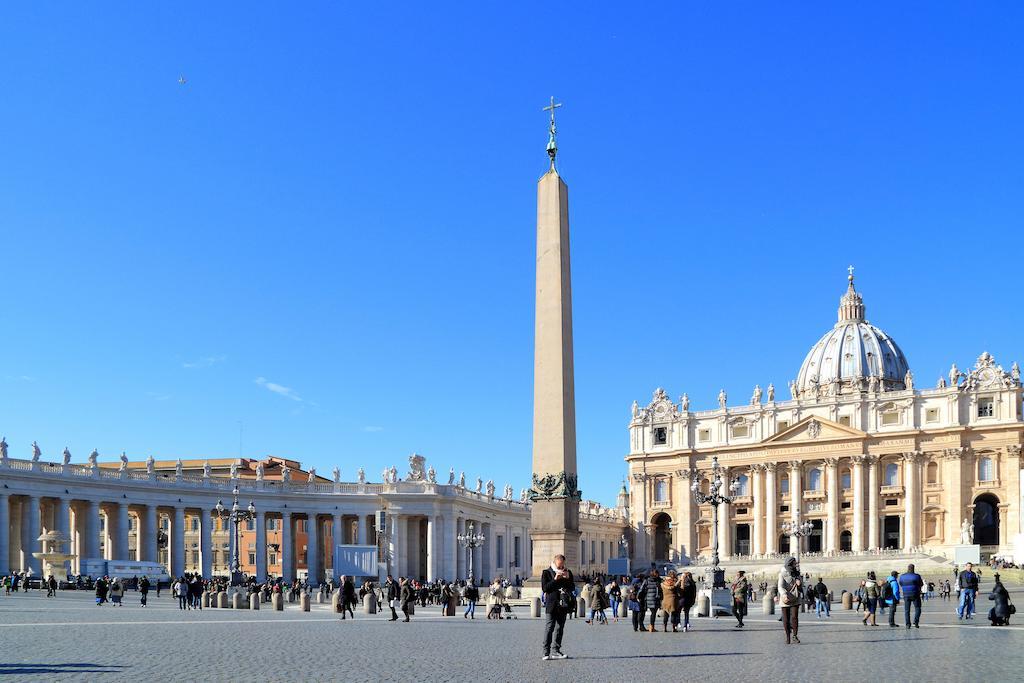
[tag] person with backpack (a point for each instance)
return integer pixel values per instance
(633, 605)
(872, 593)
(789, 599)
(911, 586)
(891, 596)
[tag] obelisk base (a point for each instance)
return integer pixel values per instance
(554, 531)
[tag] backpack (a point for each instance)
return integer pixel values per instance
(887, 590)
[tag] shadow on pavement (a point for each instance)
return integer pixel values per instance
(674, 656)
(79, 667)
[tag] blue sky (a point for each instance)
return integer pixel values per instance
(326, 235)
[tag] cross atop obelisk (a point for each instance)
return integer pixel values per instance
(554, 517)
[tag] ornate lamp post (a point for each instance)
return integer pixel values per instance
(796, 531)
(235, 516)
(471, 541)
(714, 497)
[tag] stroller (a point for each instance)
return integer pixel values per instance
(509, 614)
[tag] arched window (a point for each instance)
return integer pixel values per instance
(892, 474)
(705, 486)
(844, 479)
(660, 491)
(814, 480)
(846, 541)
(784, 484)
(932, 473)
(986, 472)
(743, 485)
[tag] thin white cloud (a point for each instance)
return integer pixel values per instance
(373, 428)
(278, 389)
(204, 362)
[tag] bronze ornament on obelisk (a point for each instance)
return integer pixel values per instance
(554, 522)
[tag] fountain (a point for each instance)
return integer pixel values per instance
(53, 555)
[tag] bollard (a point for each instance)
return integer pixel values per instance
(304, 602)
(623, 608)
(847, 600)
(213, 600)
(768, 604)
(236, 600)
(320, 597)
(336, 601)
(412, 608)
(450, 608)
(222, 600)
(254, 601)
(206, 598)
(277, 600)
(534, 607)
(581, 607)
(370, 604)
(703, 605)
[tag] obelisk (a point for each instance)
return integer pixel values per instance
(554, 523)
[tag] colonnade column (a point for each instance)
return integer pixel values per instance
(337, 538)
(152, 522)
(795, 500)
(5, 535)
(872, 463)
(684, 508)
(287, 566)
(432, 554)
(62, 523)
(206, 542)
(771, 510)
(725, 548)
(92, 532)
(178, 544)
(757, 477)
(32, 542)
(313, 571)
(120, 551)
(912, 505)
(832, 504)
(399, 544)
(858, 503)
(362, 529)
(952, 482)
(460, 554)
(261, 545)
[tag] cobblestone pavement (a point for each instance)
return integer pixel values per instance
(69, 638)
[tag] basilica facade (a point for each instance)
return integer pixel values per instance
(856, 448)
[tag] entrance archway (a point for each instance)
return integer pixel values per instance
(846, 541)
(742, 542)
(891, 532)
(662, 536)
(986, 519)
(814, 544)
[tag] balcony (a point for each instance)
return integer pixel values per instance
(814, 495)
(892, 491)
(658, 504)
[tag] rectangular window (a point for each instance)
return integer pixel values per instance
(272, 559)
(890, 417)
(660, 436)
(515, 551)
(131, 523)
(740, 431)
(501, 553)
(741, 511)
(844, 420)
(195, 523)
(602, 552)
(892, 502)
(583, 550)
(784, 508)
(703, 435)
(195, 557)
(593, 554)
(931, 415)
(165, 523)
(252, 559)
(250, 525)
(986, 407)
(846, 505)
(783, 425)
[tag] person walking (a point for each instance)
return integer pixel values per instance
(347, 597)
(671, 594)
(1000, 613)
(789, 599)
(615, 598)
(101, 591)
(688, 596)
(557, 584)
(406, 596)
(143, 590)
(871, 595)
(633, 605)
(116, 592)
(390, 593)
(739, 597)
(967, 583)
(891, 596)
(821, 599)
(51, 587)
(599, 605)
(911, 587)
(650, 591)
(495, 599)
(471, 595)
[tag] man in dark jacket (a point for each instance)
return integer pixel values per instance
(391, 594)
(557, 584)
(967, 581)
(911, 586)
(407, 596)
(821, 601)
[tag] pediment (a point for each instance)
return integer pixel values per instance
(813, 428)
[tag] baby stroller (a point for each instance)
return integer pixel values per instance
(509, 614)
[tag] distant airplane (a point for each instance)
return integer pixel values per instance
(181, 80)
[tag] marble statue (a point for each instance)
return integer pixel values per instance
(873, 384)
(479, 484)
(523, 495)
(311, 477)
(124, 460)
(966, 533)
(451, 476)
(1015, 372)
(361, 475)
(954, 375)
(684, 403)
(337, 475)
(771, 392)
(490, 488)
(206, 470)
(908, 381)
(394, 474)
(462, 480)
(36, 452)
(941, 384)
(95, 455)
(259, 471)
(431, 475)
(416, 468)
(286, 475)
(755, 399)
(234, 470)
(67, 456)
(385, 475)
(150, 465)
(3, 448)
(177, 467)
(836, 386)
(722, 398)
(636, 409)
(792, 389)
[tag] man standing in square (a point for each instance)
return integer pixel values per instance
(557, 584)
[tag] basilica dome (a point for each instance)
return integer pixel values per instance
(853, 356)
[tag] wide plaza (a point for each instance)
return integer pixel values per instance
(68, 638)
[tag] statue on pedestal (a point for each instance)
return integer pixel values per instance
(966, 533)
(94, 456)
(771, 392)
(337, 475)
(941, 384)
(259, 471)
(908, 381)
(177, 468)
(361, 475)
(394, 474)
(462, 480)
(479, 484)
(954, 375)
(286, 475)
(451, 476)
(3, 448)
(206, 470)
(523, 495)
(490, 488)
(385, 475)
(150, 465)
(792, 389)
(124, 461)
(36, 452)
(234, 470)
(67, 456)
(722, 398)
(311, 477)
(431, 475)
(755, 399)
(636, 409)
(684, 403)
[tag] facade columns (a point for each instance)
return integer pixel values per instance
(685, 514)
(399, 544)
(912, 502)
(178, 543)
(757, 477)
(460, 555)
(313, 567)
(151, 521)
(432, 554)
(287, 554)
(31, 544)
(5, 533)
(92, 532)
(1012, 479)
(857, 472)
(261, 545)
(832, 503)
(796, 492)
(771, 506)
(206, 542)
(953, 483)
(120, 551)
(873, 536)
(362, 529)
